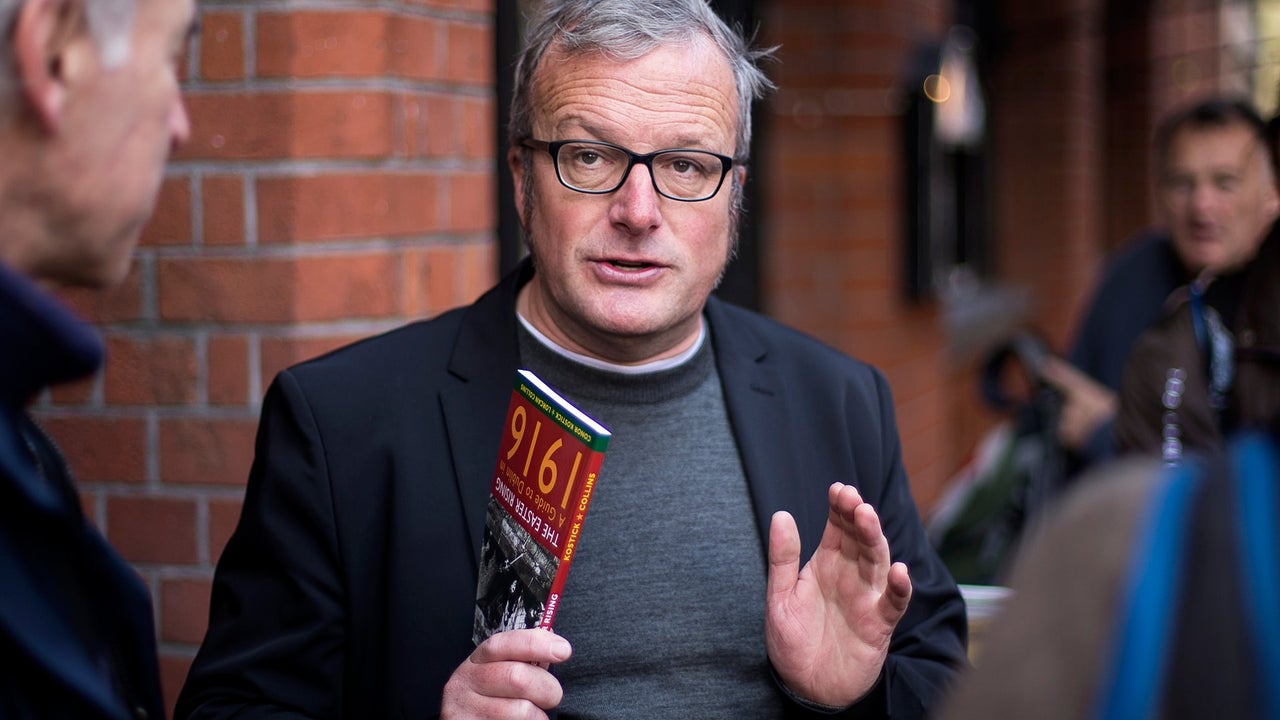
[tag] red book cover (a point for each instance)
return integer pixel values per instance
(548, 462)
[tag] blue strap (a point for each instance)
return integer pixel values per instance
(1131, 686)
(1257, 471)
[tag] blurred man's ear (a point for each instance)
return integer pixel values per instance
(43, 34)
(1271, 201)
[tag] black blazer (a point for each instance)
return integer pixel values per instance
(348, 588)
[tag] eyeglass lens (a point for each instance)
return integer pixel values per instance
(599, 168)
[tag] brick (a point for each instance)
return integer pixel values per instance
(473, 5)
(223, 210)
(223, 517)
(279, 290)
(119, 303)
(206, 451)
(221, 46)
(226, 290)
(170, 223)
(481, 263)
(443, 277)
(333, 206)
(153, 529)
(440, 125)
(412, 48)
(184, 609)
(173, 674)
(102, 449)
(472, 203)
(411, 112)
(281, 352)
(480, 127)
(228, 370)
(258, 126)
(305, 44)
(430, 276)
(156, 370)
(76, 392)
(470, 54)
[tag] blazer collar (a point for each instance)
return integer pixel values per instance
(44, 343)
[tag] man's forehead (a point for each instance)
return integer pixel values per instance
(1233, 145)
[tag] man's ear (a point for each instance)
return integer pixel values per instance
(42, 36)
(515, 161)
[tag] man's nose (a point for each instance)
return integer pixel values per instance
(635, 203)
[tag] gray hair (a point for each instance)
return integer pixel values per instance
(626, 30)
(110, 23)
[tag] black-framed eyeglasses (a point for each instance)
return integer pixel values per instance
(599, 168)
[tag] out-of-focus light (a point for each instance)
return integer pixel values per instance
(937, 89)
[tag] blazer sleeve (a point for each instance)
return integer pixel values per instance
(274, 646)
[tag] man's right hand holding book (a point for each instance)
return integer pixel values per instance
(506, 673)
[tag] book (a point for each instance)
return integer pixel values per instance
(548, 463)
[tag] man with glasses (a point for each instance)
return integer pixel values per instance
(753, 549)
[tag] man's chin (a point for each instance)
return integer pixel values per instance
(113, 267)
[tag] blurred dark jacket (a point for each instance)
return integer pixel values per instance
(76, 634)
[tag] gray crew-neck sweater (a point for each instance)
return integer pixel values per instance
(664, 603)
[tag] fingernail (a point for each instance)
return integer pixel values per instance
(561, 649)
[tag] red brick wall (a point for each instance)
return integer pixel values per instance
(833, 228)
(339, 182)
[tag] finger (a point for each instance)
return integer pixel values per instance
(516, 681)
(528, 646)
(504, 678)
(844, 501)
(1061, 374)
(872, 547)
(479, 706)
(897, 594)
(784, 556)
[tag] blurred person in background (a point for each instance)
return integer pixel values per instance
(1216, 187)
(1149, 591)
(1153, 588)
(89, 112)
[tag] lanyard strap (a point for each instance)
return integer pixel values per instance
(1257, 471)
(1132, 685)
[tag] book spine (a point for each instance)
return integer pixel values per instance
(581, 502)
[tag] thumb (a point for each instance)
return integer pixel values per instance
(784, 557)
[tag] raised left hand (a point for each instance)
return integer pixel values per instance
(828, 625)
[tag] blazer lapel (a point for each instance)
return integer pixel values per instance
(483, 362)
(761, 421)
